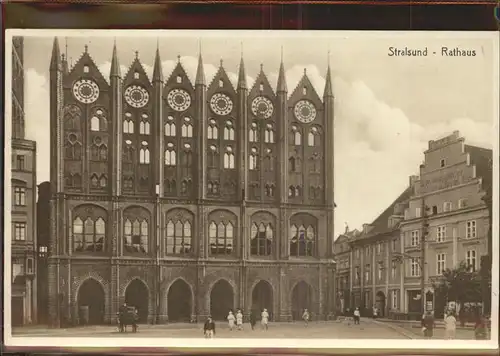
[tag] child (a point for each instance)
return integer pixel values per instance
(264, 318)
(231, 319)
(357, 316)
(239, 320)
(209, 328)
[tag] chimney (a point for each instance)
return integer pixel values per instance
(413, 180)
(346, 228)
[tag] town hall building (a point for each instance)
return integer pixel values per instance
(187, 200)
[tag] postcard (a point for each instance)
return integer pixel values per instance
(251, 189)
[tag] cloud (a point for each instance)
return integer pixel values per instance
(377, 146)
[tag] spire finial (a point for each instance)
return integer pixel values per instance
(221, 62)
(241, 44)
(63, 56)
(262, 67)
(136, 54)
(305, 71)
(71, 61)
(66, 46)
(281, 53)
(178, 58)
(157, 43)
(199, 46)
(328, 58)
(86, 48)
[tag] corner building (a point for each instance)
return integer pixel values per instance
(187, 201)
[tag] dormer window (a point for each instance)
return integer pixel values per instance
(442, 163)
(221, 84)
(304, 91)
(261, 87)
(86, 69)
(136, 75)
(179, 79)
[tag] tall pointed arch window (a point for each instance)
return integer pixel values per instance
(229, 158)
(254, 159)
(212, 130)
(187, 128)
(294, 164)
(88, 235)
(94, 123)
(262, 237)
(313, 137)
(98, 121)
(269, 134)
(302, 238)
(229, 131)
(73, 148)
(296, 136)
(136, 235)
(170, 155)
(253, 135)
(213, 157)
(144, 155)
(128, 124)
(144, 125)
(178, 239)
(269, 161)
(221, 238)
(170, 127)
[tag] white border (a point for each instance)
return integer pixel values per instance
(247, 343)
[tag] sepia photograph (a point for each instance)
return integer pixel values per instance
(257, 188)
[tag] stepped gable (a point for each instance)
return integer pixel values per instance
(482, 158)
(227, 85)
(181, 72)
(94, 72)
(267, 88)
(136, 67)
(311, 92)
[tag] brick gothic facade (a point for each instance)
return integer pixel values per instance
(188, 200)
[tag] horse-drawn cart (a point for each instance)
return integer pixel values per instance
(127, 317)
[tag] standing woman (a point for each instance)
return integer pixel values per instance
(231, 319)
(264, 318)
(450, 325)
(305, 317)
(239, 320)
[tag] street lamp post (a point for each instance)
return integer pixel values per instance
(425, 231)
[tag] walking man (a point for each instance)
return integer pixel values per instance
(264, 319)
(305, 317)
(209, 328)
(253, 319)
(357, 316)
(428, 324)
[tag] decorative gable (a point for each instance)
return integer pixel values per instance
(85, 68)
(305, 91)
(136, 75)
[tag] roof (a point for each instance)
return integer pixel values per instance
(380, 224)
(482, 158)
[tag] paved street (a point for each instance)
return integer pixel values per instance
(322, 330)
(413, 330)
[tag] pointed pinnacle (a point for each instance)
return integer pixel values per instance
(157, 70)
(115, 65)
(281, 87)
(55, 61)
(200, 74)
(242, 82)
(328, 84)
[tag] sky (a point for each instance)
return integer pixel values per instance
(386, 108)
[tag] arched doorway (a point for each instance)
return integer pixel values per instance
(380, 303)
(221, 300)
(301, 299)
(90, 301)
(262, 297)
(179, 301)
(137, 295)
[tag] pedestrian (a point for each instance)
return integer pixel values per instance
(305, 317)
(357, 316)
(239, 320)
(428, 324)
(264, 319)
(480, 328)
(450, 325)
(231, 319)
(374, 312)
(209, 328)
(135, 319)
(122, 313)
(253, 319)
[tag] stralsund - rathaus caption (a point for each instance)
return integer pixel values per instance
(188, 200)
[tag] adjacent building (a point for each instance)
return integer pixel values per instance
(454, 178)
(43, 240)
(188, 199)
(367, 270)
(23, 184)
(381, 265)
